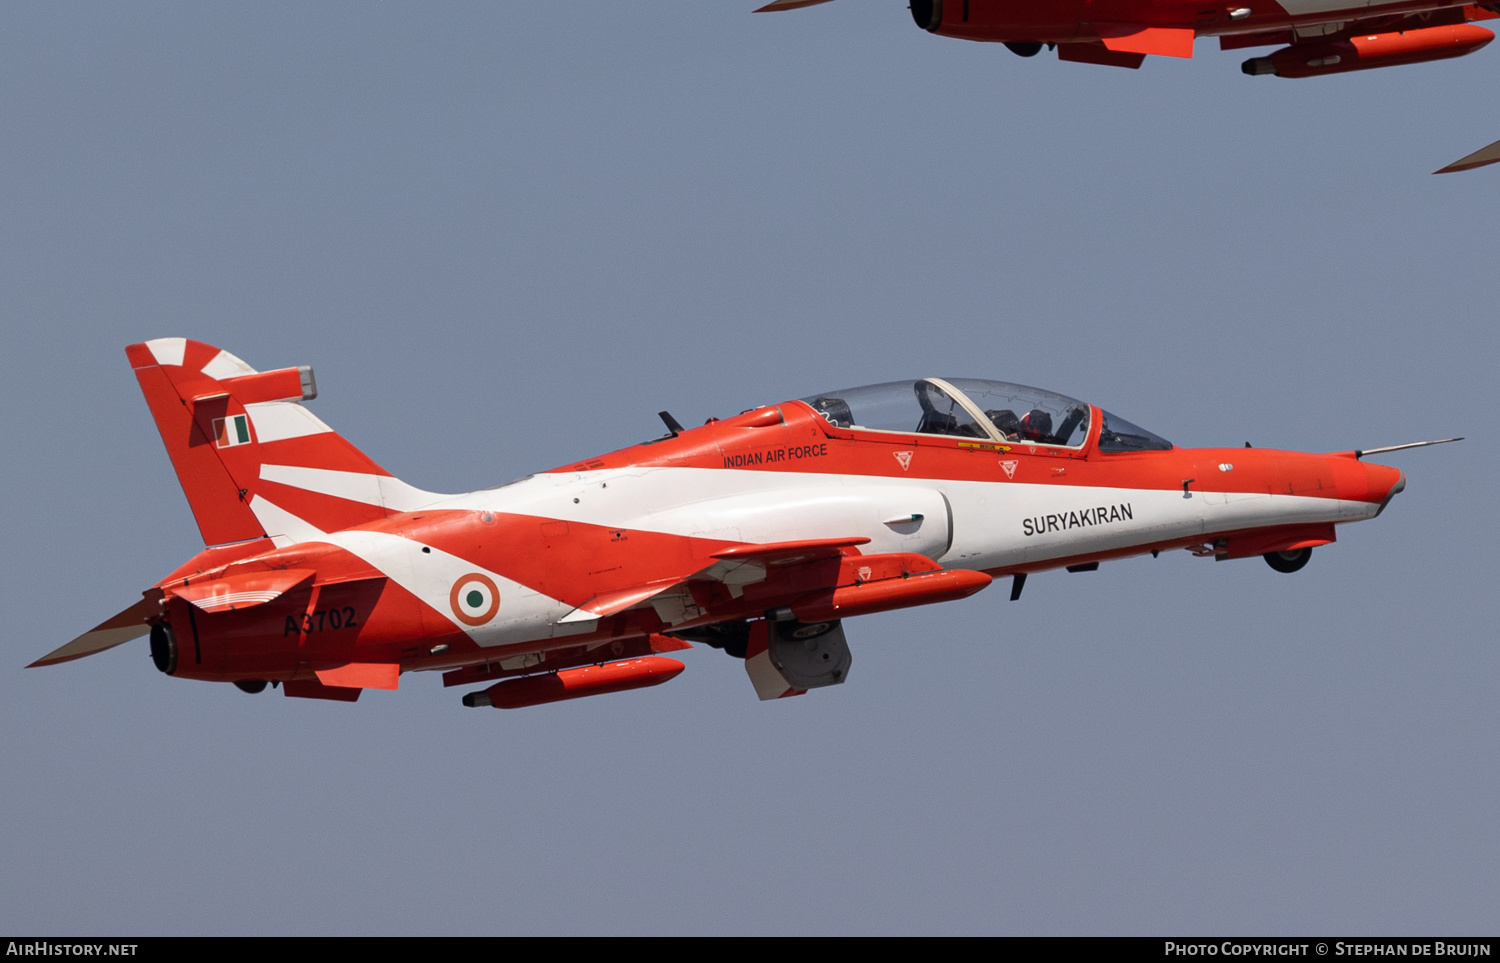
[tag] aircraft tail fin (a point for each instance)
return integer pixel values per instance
(251, 459)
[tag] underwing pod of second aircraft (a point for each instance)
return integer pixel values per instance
(757, 534)
(1312, 37)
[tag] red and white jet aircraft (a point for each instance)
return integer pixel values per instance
(757, 534)
(1315, 37)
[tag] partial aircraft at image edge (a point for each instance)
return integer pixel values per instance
(1314, 37)
(757, 534)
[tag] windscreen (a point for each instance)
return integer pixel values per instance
(1117, 434)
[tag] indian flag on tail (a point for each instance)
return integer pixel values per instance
(229, 432)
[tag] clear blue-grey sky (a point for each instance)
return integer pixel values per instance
(505, 235)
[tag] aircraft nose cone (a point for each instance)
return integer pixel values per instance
(1397, 487)
(1385, 483)
(1364, 481)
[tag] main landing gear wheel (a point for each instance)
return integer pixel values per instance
(251, 686)
(1029, 48)
(1288, 561)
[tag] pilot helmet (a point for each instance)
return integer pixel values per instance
(1036, 425)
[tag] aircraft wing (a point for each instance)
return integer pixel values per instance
(842, 583)
(785, 553)
(1481, 157)
(129, 624)
(608, 603)
(786, 597)
(727, 563)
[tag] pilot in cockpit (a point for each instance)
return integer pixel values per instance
(1006, 422)
(1036, 426)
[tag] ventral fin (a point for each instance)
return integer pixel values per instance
(362, 675)
(1142, 39)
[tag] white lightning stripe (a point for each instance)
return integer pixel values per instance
(379, 490)
(275, 420)
(282, 526)
(988, 517)
(989, 524)
(225, 365)
(428, 573)
(168, 351)
(737, 506)
(660, 499)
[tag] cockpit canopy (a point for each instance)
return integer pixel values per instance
(972, 408)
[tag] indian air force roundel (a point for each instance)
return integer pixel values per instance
(474, 599)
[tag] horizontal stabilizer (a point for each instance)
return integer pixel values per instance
(1481, 157)
(241, 590)
(129, 624)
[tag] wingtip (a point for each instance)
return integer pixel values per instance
(1480, 158)
(776, 5)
